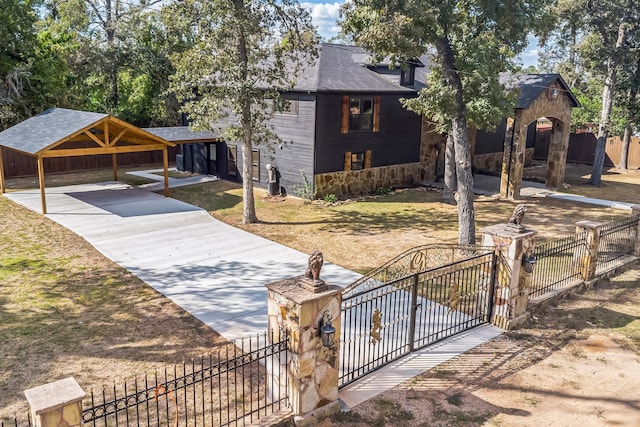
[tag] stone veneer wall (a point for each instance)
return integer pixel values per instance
(367, 181)
(492, 162)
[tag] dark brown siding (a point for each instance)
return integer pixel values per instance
(397, 141)
(296, 153)
(18, 164)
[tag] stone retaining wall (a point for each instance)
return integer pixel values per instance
(367, 181)
(492, 162)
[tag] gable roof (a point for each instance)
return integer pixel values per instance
(343, 68)
(52, 128)
(47, 128)
(532, 85)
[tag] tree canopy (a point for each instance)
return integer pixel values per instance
(469, 44)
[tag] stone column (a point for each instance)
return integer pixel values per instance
(587, 258)
(514, 155)
(431, 142)
(557, 154)
(635, 212)
(57, 404)
(312, 367)
(513, 282)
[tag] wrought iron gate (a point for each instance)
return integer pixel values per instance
(409, 303)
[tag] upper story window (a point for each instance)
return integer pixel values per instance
(360, 113)
(408, 77)
(291, 109)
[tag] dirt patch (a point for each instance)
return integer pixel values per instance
(577, 365)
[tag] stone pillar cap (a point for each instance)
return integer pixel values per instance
(55, 395)
(505, 230)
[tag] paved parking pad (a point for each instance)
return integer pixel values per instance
(214, 271)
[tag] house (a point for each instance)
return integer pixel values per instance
(345, 126)
(348, 132)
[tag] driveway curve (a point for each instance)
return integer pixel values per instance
(214, 271)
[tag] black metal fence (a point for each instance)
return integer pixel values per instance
(617, 239)
(26, 422)
(229, 390)
(383, 321)
(558, 264)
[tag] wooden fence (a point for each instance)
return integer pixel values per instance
(18, 164)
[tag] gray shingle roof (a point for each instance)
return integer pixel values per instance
(47, 128)
(182, 134)
(342, 68)
(532, 85)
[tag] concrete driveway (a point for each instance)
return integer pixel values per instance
(214, 271)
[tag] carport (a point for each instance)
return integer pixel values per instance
(60, 132)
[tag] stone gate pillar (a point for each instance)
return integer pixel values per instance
(588, 257)
(431, 142)
(514, 156)
(513, 244)
(57, 404)
(312, 367)
(557, 155)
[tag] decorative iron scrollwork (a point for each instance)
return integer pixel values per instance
(376, 325)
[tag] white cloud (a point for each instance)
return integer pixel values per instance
(325, 17)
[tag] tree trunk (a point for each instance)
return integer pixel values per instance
(112, 50)
(466, 216)
(248, 207)
(449, 170)
(628, 129)
(626, 142)
(607, 103)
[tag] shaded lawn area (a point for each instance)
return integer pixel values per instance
(66, 310)
(363, 234)
(618, 185)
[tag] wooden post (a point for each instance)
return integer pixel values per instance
(3, 187)
(165, 161)
(43, 199)
(114, 160)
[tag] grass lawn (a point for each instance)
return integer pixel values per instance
(67, 310)
(361, 235)
(622, 186)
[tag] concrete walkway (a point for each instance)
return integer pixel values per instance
(488, 185)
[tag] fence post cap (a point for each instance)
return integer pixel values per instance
(51, 396)
(589, 224)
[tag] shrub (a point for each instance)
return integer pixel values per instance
(331, 198)
(384, 191)
(306, 190)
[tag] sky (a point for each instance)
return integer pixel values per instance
(325, 14)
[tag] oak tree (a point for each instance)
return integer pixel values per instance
(246, 53)
(469, 42)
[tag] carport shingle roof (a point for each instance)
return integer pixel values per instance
(46, 129)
